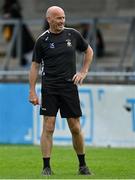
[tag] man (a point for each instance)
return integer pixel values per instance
(55, 51)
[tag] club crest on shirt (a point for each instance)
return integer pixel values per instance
(52, 46)
(68, 41)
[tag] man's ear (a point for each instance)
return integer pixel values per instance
(48, 19)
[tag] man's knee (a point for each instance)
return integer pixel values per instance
(49, 129)
(74, 125)
(75, 130)
(49, 125)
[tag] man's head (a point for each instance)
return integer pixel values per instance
(56, 18)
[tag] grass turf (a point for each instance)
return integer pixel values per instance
(24, 162)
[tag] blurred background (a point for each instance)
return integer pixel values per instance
(108, 93)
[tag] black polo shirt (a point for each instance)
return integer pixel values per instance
(57, 55)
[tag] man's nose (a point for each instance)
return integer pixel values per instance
(62, 20)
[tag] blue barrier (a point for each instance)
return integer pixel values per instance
(20, 124)
(15, 114)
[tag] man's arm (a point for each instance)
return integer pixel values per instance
(80, 76)
(33, 75)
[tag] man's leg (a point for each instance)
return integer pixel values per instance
(78, 144)
(77, 137)
(47, 142)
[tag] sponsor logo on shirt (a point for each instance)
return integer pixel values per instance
(52, 46)
(46, 39)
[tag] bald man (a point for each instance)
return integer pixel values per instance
(55, 50)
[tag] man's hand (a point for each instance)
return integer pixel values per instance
(33, 98)
(79, 77)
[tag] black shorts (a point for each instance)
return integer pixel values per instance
(66, 100)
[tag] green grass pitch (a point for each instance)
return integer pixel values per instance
(25, 162)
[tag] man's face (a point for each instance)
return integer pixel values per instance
(57, 21)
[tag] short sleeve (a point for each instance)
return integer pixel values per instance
(37, 55)
(81, 43)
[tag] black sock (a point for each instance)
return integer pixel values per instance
(46, 162)
(81, 158)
